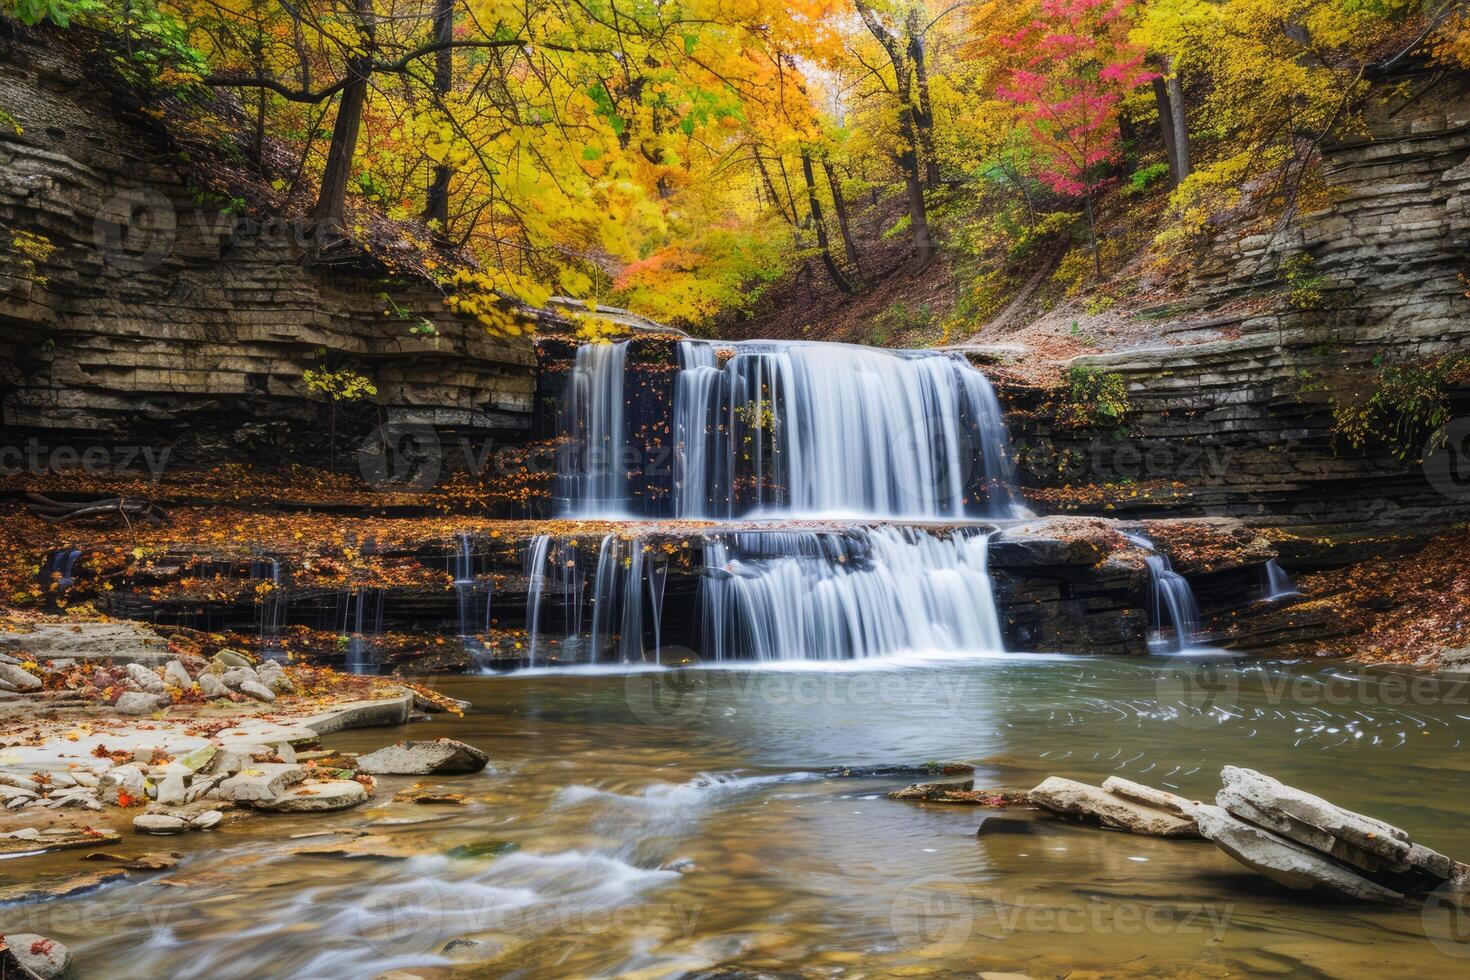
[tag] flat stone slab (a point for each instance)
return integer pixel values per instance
(29, 839)
(1069, 797)
(441, 756)
(1149, 796)
(1284, 861)
(59, 887)
(1295, 814)
(318, 796)
(261, 782)
(362, 714)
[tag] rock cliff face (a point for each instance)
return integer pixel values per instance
(1237, 404)
(131, 313)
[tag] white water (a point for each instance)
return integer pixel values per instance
(593, 481)
(823, 429)
(1171, 601)
(1278, 584)
(890, 590)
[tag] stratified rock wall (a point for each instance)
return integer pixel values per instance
(192, 328)
(1237, 403)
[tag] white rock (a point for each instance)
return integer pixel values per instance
(18, 780)
(231, 760)
(1258, 794)
(138, 703)
(159, 823)
(206, 820)
(444, 755)
(286, 753)
(212, 687)
(144, 679)
(236, 676)
(46, 958)
(1070, 797)
(18, 679)
(127, 779)
(1283, 861)
(261, 781)
(1139, 793)
(172, 788)
(174, 675)
(257, 690)
(318, 796)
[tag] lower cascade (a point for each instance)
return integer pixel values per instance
(768, 595)
(1172, 605)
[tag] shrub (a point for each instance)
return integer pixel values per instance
(1093, 398)
(1403, 410)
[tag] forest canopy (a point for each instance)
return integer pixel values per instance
(677, 157)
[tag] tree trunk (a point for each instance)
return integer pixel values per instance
(823, 245)
(436, 201)
(1166, 126)
(840, 206)
(1180, 124)
(1092, 231)
(1169, 97)
(331, 203)
(924, 118)
(790, 219)
(908, 156)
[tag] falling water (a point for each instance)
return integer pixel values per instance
(473, 595)
(362, 616)
(1278, 584)
(593, 478)
(536, 583)
(273, 603)
(870, 593)
(1171, 600)
(836, 429)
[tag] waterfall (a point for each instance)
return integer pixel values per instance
(472, 595)
(1171, 600)
(1278, 584)
(592, 475)
(874, 592)
(536, 575)
(272, 606)
(833, 429)
(362, 615)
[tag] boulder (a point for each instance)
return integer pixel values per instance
(231, 658)
(144, 679)
(443, 755)
(174, 675)
(18, 679)
(119, 781)
(46, 958)
(261, 781)
(206, 820)
(1284, 861)
(318, 796)
(139, 703)
(159, 823)
(257, 690)
(236, 676)
(212, 687)
(1069, 797)
(173, 786)
(1297, 814)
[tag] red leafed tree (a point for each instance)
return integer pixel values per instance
(1076, 64)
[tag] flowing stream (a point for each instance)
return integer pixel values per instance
(662, 823)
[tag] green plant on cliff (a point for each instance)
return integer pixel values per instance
(1092, 398)
(1403, 409)
(341, 385)
(1304, 283)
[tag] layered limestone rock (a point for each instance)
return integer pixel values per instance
(134, 314)
(1235, 403)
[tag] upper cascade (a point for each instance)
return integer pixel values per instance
(788, 428)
